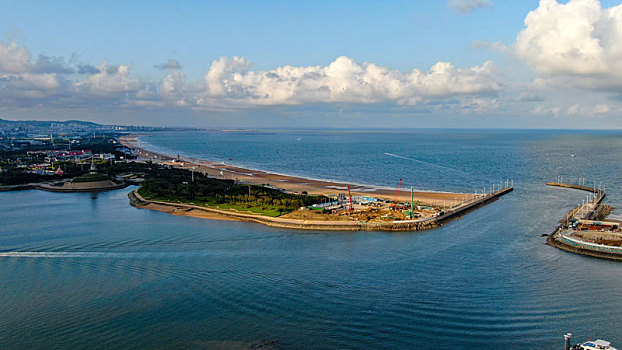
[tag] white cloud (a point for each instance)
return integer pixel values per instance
(466, 6)
(14, 59)
(220, 70)
(343, 80)
(172, 84)
(575, 43)
(574, 109)
(20, 79)
(111, 80)
(230, 84)
(601, 109)
(595, 110)
(548, 111)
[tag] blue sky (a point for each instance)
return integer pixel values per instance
(326, 63)
(405, 35)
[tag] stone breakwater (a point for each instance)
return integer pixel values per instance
(561, 238)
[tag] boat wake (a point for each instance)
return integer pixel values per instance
(426, 163)
(72, 255)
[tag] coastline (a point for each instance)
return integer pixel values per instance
(291, 183)
(100, 186)
(184, 209)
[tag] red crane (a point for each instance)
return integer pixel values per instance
(399, 186)
(350, 194)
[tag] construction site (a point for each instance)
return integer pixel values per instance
(379, 211)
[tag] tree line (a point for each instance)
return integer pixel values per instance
(178, 185)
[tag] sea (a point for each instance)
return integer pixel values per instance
(89, 271)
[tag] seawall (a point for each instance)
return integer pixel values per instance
(585, 211)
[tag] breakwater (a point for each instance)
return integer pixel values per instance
(562, 235)
(400, 225)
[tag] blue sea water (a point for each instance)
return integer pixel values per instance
(90, 271)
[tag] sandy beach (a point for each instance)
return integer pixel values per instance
(290, 183)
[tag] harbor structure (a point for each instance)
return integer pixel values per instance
(585, 229)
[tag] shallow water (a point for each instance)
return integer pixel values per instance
(90, 271)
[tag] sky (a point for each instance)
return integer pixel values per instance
(344, 64)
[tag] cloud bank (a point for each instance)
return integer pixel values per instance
(343, 81)
(576, 43)
(230, 83)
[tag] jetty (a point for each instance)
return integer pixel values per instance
(354, 225)
(584, 229)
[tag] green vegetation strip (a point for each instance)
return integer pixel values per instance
(91, 178)
(177, 185)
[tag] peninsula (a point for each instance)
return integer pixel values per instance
(221, 191)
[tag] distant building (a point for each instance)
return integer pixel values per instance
(104, 156)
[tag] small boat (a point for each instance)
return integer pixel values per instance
(594, 345)
(598, 344)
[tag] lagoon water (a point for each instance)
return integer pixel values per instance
(90, 271)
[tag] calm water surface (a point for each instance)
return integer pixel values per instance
(90, 271)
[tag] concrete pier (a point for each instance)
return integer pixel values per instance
(586, 210)
(472, 204)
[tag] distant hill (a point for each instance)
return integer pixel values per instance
(79, 125)
(46, 123)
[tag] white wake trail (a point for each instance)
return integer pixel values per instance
(423, 162)
(71, 255)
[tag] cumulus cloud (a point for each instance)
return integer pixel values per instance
(27, 85)
(14, 59)
(224, 68)
(231, 83)
(574, 43)
(20, 78)
(173, 83)
(466, 6)
(343, 81)
(171, 64)
(111, 80)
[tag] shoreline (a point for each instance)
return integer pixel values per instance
(292, 183)
(87, 187)
(191, 210)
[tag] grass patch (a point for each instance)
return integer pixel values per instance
(241, 207)
(91, 178)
